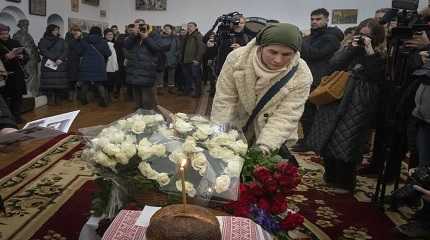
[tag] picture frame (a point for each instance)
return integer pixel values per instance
(151, 5)
(103, 13)
(75, 5)
(37, 7)
(344, 16)
(91, 2)
(16, 1)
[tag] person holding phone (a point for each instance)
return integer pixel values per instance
(13, 60)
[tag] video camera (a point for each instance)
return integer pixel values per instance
(407, 194)
(409, 22)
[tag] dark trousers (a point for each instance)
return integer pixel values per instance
(423, 141)
(14, 102)
(144, 97)
(340, 173)
(101, 90)
(308, 119)
(193, 78)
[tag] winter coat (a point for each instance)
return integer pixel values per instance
(73, 58)
(172, 56)
(193, 47)
(340, 127)
(318, 48)
(142, 59)
(236, 98)
(53, 48)
(6, 118)
(94, 52)
(15, 82)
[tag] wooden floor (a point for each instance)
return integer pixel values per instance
(93, 115)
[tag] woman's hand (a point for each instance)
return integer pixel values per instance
(5, 131)
(366, 44)
(10, 55)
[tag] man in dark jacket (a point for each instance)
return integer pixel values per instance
(142, 54)
(317, 49)
(192, 58)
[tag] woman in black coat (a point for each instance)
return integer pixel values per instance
(142, 54)
(54, 80)
(13, 62)
(339, 128)
(94, 52)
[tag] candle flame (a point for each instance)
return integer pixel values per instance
(183, 163)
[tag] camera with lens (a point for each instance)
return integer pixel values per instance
(361, 42)
(407, 195)
(143, 28)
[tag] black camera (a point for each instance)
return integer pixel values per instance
(231, 19)
(143, 28)
(407, 194)
(361, 41)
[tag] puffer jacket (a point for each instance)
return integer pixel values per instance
(142, 59)
(94, 52)
(236, 98)
(53, 48)
(338, 129)
(318, 48)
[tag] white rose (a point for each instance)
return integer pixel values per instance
(104, 160)
(199, 119)
(152, 120)
(200, 136)
(221, 140)
(147, 171)
(117, 137)
(138, 127)
(124, 125)
(199, 163)
(130, 139)
(189, 188)
(158, 150)
(129, 149)
(182, 116)
(163, 179)
(183, 127)
(222, 183)
(189, 145)
(88, 154)
(122, 158)
(145, 142)
(222, 153)
(239, 147)
(178, 157)
(111, 149)
(144, 152)
(234, 168)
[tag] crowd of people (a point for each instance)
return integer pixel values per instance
(260, 83)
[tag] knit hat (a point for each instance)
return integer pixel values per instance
(4, 28)
(280, 33)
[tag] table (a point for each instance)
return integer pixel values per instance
(123, 227)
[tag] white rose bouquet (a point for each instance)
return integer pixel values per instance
(145, 148)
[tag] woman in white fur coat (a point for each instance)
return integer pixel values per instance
(249, 72)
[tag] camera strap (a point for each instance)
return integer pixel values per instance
(268, 96)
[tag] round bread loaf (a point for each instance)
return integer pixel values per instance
(172, 223)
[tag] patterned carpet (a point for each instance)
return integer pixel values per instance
(48, 193)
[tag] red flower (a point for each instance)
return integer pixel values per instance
(262, 174)
(287, 169)
(287, 183)
(292, 221)
(270, 185)
(279, 204)
(264, 204)
(256, 190)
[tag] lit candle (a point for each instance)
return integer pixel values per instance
(184, 191)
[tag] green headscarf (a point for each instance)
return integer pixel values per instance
(280, 33)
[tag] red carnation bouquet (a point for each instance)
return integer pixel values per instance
(266, 182)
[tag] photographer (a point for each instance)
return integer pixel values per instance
(338, 128)
(419, 226)
(142, 54)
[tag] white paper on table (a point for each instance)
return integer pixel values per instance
(60, 122)
(145, 216)
(51, 64)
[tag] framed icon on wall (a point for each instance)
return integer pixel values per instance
(151, 5)
(91, 2)
(37, 7)
(344, 16)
